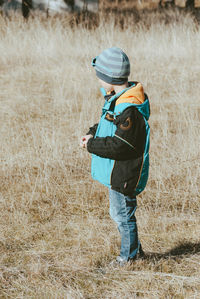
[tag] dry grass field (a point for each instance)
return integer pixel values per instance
(56, 236)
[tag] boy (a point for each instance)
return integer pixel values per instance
(120, 145)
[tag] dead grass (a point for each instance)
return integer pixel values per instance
(56, 237)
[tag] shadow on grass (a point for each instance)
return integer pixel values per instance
(180, 250)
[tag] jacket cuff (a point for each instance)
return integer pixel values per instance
(89, 144)
(90, 132)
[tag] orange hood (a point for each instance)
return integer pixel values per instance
(134, 95)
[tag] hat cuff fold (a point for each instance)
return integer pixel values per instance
(110, 80)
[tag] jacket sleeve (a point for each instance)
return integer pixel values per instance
(92, 130)
(128, 141)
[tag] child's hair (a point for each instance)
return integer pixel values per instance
(112, 66)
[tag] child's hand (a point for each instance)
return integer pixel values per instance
(84, 140)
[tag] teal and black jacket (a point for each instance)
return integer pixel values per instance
(120, 143)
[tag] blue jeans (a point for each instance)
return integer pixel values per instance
(122, 211)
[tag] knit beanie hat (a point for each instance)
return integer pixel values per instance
(112, 66)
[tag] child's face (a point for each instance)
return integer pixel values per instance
(108, 87)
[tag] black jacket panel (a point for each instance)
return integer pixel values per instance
(128, 141)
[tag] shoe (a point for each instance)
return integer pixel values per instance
(118, 262)
(140, 253)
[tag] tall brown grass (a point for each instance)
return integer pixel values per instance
(56, 236)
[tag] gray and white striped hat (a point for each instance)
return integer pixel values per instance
(112, 66)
